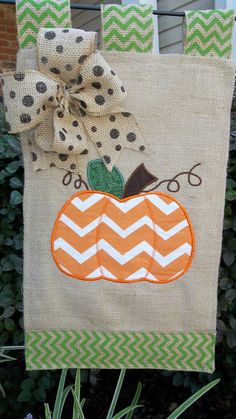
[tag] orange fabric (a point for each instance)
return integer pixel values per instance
(146, 237)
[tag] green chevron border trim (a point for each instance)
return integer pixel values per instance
(209, 32)
(54, 349)
(127, 28)
(31, 15)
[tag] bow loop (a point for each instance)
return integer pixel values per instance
(62, 52)
(73, 98)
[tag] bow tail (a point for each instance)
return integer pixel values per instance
(113, 133)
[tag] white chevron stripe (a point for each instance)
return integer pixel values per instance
(122, 258)
(127, 45)
(101, 271)
(212, 41)
(81, 232)
(124, 233)
(208, 20)
(89, 202)
(142, 273)
(126, 206)
(162, 205)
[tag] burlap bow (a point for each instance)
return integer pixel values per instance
(72, 98)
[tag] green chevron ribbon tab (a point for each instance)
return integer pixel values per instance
(127, 28)
(209, 32)
(89, 349)
(31, 15)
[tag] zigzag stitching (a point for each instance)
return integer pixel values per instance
(206, 51)
(122, 259)
(133, 349)
(39, 18)
(29, 39)
(28, 25)
(126, 25)
(217, 12)
(132, 46)
(124, 232)
(210, 37)
(126, 10)
(38, 6)
(207, 26)
(114, 33)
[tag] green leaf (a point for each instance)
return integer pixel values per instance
(24, 396)
(231, 244)
(228, 257)
(9, 325)
(230, 294)
(232, 323)
(2, 391)
(116, 394)
(227, 223)
(125, 411)
(47, 411)
(184, 406)
(78, 405)
(13, 166)
(101, 180)
(16, 198)
(233, 270)
(135, 400)
(39, 394)
(230, 195)
(64, 397)
(178, 379)
(230, 184)
(44, 382)
(59, 396)
(77, 393)
(28, 384)
(15, 182)
(13, 141)
(231, 338)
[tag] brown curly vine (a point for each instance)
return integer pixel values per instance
(67, 179)
(173, 184)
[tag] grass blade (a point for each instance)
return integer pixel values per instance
(81, 415)
(116, 394)
(2, 391)
(64, 396)
(135, 400)
(82, 403)
(57, 405)
(5, 358)
(47, 411)
(184, 406)
(125, 411)
(77, 392)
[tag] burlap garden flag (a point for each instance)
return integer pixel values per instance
(125, 158)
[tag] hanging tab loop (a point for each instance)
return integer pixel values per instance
(209, 33)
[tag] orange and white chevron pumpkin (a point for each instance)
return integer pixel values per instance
(147, 237)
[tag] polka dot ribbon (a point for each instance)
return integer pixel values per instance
(72, 101)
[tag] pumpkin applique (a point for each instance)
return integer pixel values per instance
(146, 237)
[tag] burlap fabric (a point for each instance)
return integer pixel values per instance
(182, 105)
